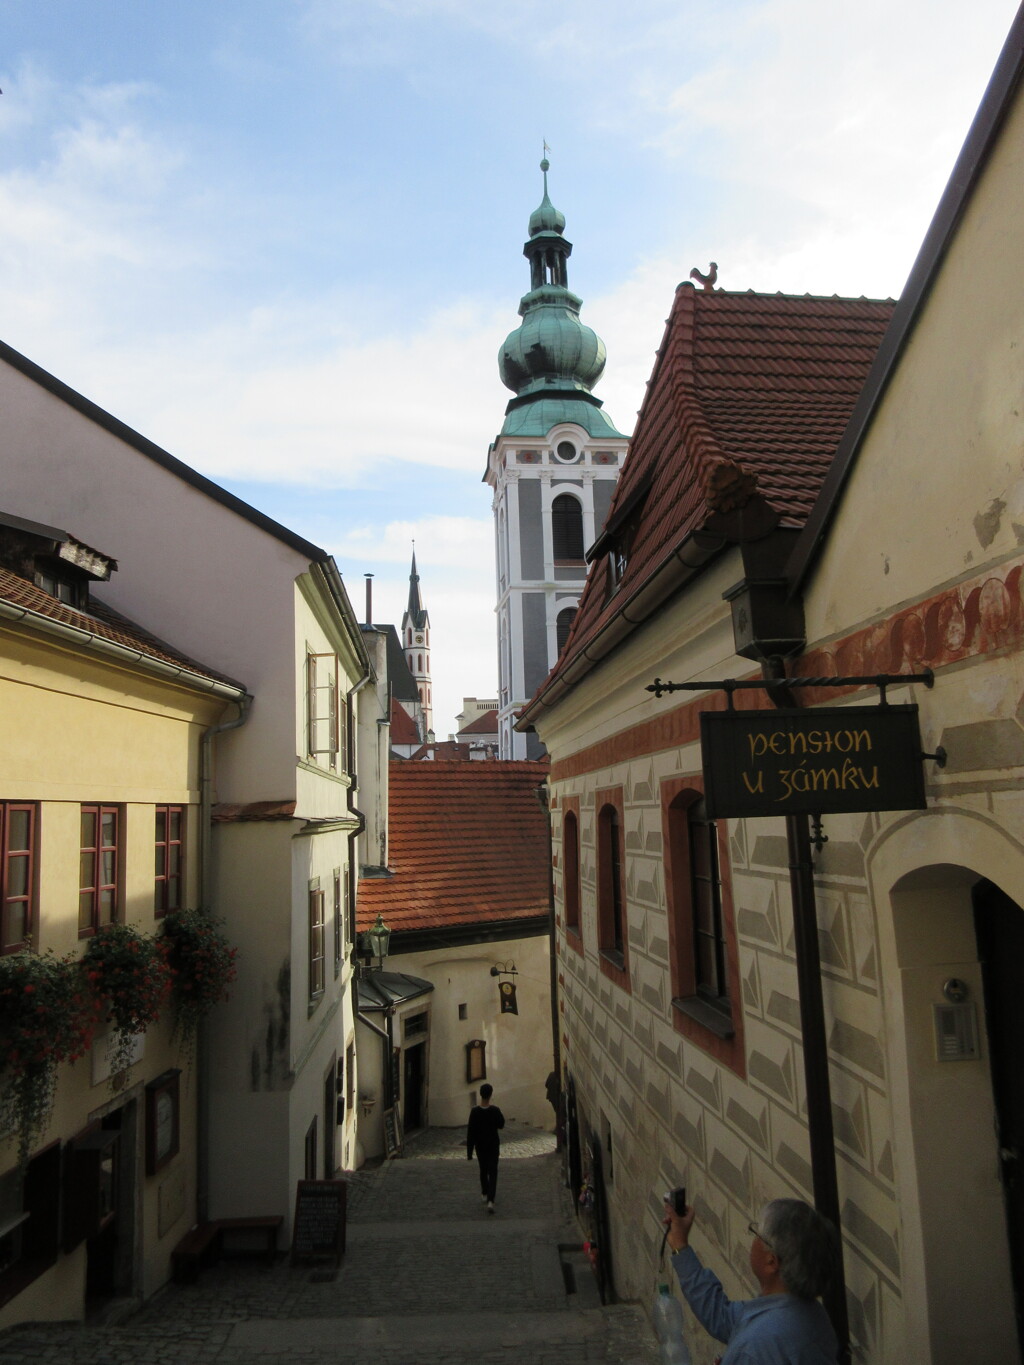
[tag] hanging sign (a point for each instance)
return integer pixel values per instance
(507, 992)
(815, 762)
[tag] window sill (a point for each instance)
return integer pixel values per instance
(714, 1020)
(614, 958)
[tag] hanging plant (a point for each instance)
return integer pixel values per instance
(48, 1015)
(202, 964)
(129, 973)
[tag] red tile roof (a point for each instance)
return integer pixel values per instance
(767, 381)
(403, 727)
(486, 724)
(468, 844)
(102, 622)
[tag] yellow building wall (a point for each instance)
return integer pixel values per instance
(75, 728)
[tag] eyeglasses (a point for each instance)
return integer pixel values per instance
(752, 1227)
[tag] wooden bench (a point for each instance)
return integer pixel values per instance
(203, 1245)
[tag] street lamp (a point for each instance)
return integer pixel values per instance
(379, 936)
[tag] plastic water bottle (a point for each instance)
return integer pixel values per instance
(668, 1324)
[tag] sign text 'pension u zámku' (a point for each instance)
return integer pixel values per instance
(814, 762)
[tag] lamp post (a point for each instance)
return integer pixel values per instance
(378, 936)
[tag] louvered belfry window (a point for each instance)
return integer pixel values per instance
(567, 528)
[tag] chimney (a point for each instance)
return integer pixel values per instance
(369, 598)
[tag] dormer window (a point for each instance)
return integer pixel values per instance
(617, 539)
(51, 559)
(73, 591)
(620, 550)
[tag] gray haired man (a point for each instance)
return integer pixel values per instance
(793, 1257)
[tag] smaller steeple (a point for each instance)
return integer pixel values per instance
(416, 643)
(415, 610)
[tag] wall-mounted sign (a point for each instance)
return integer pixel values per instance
(507, 992)
(821, 761)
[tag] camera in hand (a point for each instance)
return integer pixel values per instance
(676, 1199)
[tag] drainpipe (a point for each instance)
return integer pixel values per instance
(815, 1044)
(353, 834)
(543, 796)
(244, 704)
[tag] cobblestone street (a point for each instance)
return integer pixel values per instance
(428, 1277)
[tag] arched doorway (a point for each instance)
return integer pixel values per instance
(999, 927)
(957, 1227)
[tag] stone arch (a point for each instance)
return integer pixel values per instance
(921, 871)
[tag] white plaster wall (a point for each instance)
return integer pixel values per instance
(519, 1047)
(938, 489)
(196, 573)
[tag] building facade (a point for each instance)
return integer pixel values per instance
(885, 548)
(102, 733)
(232, 586)
(552, 469)
(469, 915)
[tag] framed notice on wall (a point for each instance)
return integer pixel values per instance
(163, 1120)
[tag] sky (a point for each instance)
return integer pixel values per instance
(283, 238)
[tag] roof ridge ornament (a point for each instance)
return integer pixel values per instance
(707, 281)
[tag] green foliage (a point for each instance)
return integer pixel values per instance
(202, 964)
(129, 972)
(48, 1015)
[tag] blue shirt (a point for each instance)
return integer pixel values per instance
(776, 1329)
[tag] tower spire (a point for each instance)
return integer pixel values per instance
(552, 360)
(416, 644)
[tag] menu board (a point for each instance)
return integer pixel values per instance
(319, 1227)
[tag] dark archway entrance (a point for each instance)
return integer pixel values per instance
(414, 1076)
(999, 925)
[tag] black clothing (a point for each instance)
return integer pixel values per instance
(482, 1134)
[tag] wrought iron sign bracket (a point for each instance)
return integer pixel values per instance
(732, 685)
(752, 770)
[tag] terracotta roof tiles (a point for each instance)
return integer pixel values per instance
(485, 724)
(102, 622)
(766, 380)
(468, 843)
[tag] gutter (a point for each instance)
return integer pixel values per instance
(336, 586)
(697, 550)
(99, 644)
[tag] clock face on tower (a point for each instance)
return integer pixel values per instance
(419, 639)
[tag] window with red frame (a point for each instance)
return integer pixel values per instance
(571, 870)
(170, 858)
(316, 941)
(700, 968)
(610, 908)
(17, 875)
(98, 890)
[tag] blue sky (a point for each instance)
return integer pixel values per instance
(283, 238)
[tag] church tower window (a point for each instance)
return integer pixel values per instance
(567, 528)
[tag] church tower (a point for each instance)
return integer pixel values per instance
(416, 643)
(552, 468)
